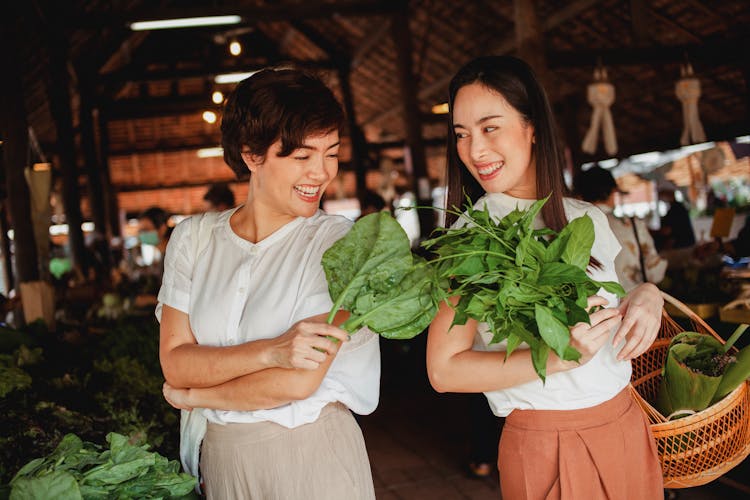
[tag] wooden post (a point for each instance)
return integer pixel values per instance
(360, 159)
(640, 21)
(93, 170)
(111, 205)
(412, 118)
(59, 98)
(530, 39)
(5, 245)
(15, 134)
(568, 125)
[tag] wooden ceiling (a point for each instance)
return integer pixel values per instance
(148, 90)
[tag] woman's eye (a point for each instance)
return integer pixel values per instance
(460, 135)
(301, 158)
(490, 129)
(333, 155)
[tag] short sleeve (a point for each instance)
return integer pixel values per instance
(178, 270)
(315, 298)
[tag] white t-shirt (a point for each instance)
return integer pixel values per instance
(238, 291)
(589, 385)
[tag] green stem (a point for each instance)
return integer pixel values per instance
(736, 335)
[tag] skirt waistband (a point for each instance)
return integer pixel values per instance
(261, 431)
(559, 420)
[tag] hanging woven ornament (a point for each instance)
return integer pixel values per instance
(601, 96)
(688, 90)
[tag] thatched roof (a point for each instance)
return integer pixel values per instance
(150, 88)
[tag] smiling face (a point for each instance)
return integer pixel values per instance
(287, 187)
(494, 142)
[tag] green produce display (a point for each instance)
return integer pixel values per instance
(79, 470)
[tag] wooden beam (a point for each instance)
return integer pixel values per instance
(91, 161)
(671, 141)
(59, 99)
(565, 14)
(530, 38)
(15, 136)
(640, 22)
(138, 75)
(411, 116)
(168, 146)
(251, 14)
(709, 54)
(370, 41)
(359, 158)
(111, 206)
(155, 107)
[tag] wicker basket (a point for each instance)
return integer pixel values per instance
(697, 449)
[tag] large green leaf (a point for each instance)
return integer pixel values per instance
(372, 273)
(577, 251)
(376, 244)
(557, 273)
(60, 485)
(555, 334)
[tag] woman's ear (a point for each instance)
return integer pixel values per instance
(252, 161)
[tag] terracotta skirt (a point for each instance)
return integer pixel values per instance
(324, 460)
(603, 452)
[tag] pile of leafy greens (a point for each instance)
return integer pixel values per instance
(372, 273)
(78, 470)
(528, 285)
(700, 371)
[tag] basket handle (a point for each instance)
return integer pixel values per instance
(691, 315)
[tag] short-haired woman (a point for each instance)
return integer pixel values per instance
(243, 332)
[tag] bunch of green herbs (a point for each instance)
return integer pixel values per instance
(79, 470)
(528, 285)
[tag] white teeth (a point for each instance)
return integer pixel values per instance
(308, 190)
(489, 169)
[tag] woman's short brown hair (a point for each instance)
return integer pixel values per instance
(285, 104)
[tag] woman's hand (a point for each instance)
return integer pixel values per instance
(588, 339)
(306, 345)
(176, 397)
(641, 310)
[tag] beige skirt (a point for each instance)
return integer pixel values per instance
(598, 453)
(324, 460)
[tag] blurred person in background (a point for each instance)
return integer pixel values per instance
(676, 229)
(218, 198)
(638, 262)
(371, 202)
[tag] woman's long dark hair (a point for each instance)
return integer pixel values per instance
(517, 83)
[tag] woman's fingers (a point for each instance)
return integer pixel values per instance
(602, 315)
(325, 330)
(596, 300)
(639, 340)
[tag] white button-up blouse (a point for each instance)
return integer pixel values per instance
(236, 291)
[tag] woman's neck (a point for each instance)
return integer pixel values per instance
(255, 221)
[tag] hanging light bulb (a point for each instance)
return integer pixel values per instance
(235, 48)
(209, 116)
(217, 97)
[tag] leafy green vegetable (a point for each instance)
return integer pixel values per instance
(372, 273)
(529, 285)
(78, 470)
(699, 371)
